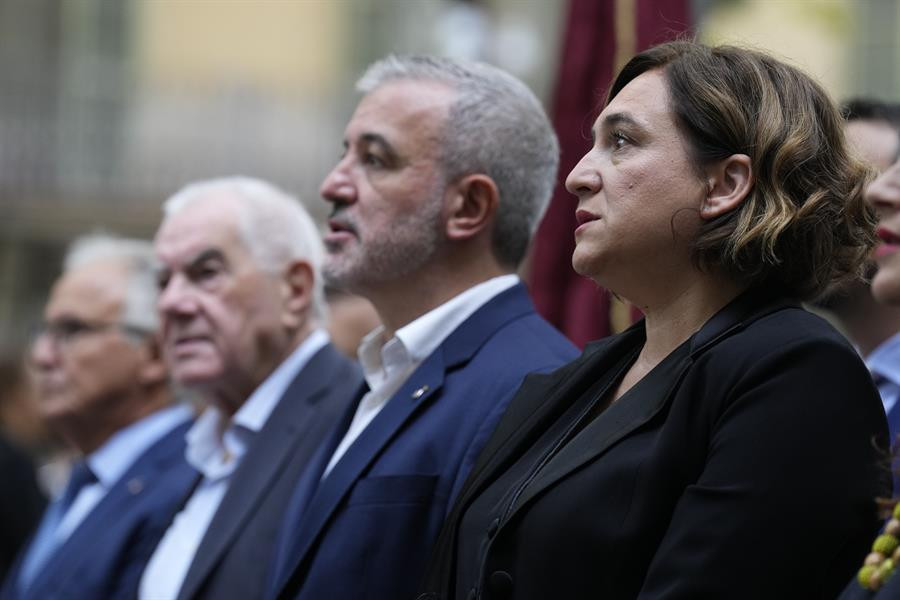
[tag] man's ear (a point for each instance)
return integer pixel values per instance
(297, 293)
(472, 207)
(729, 182)
(153, 369)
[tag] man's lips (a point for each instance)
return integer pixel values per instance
(339, 229)
(186, 342)
(890, 242)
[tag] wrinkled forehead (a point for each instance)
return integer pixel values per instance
(207, 223)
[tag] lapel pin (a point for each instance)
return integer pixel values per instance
(420, 392)
(135, 486)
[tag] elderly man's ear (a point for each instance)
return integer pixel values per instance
(472, 206)
(153, 370)
(297, 293)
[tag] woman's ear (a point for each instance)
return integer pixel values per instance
(472, 207)
(729, 183)
(297, 293)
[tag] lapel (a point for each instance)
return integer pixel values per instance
(419, 390)
(271, 449)
(117, 508)
(538, 406)
(543, 398)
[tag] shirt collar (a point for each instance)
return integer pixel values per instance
(415, 341)
(254, 413)
(885, 359)
(215, 444)
(110, 461)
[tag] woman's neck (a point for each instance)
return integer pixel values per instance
(674, 317)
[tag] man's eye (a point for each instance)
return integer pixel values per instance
(162, 281)
(205, 272)
(372, 160)
(68, 328)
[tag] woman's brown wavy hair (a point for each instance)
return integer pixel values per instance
(804, 224)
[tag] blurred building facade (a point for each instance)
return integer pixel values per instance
(106, 107)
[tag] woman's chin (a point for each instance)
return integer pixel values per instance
(584, 264)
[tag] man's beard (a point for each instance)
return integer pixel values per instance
(386, 256)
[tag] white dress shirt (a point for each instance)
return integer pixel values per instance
(217, 456)
(387, 364)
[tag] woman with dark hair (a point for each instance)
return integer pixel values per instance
(725, 446)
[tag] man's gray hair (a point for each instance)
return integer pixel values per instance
(139, 311)
(496, 126)
(274, 226)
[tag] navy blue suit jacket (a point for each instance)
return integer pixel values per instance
(368, 527)
(105, 555)
(233, 559)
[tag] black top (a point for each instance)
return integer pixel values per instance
(745, 465)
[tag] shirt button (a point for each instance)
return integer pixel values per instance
(501, 584)
(493, 527)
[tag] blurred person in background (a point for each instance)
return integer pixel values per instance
(877, 577)
(447, 170)
(22, 499)
(350, 318)
(243, 313)
(101, 384)
(724, 446)
(874, 327)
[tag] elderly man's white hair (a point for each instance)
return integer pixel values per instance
(139, 310)
(497, 127)
(274, 226)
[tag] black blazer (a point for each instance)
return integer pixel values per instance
(234, 556)
(743, 466)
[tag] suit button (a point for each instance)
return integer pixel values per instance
(500, 583)
(473, 595)
(493, 527)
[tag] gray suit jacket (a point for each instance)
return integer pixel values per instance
(233, 558)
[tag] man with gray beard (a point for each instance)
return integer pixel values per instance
(447, 170)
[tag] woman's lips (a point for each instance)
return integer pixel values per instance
(890, 242)
(583, 217)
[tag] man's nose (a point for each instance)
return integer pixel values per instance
(177, 297)
(338, 187)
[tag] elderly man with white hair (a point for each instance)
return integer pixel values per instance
(101, 384)
(242, 309)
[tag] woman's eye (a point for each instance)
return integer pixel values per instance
(619, 140)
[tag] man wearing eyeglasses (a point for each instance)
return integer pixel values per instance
(102, 386)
